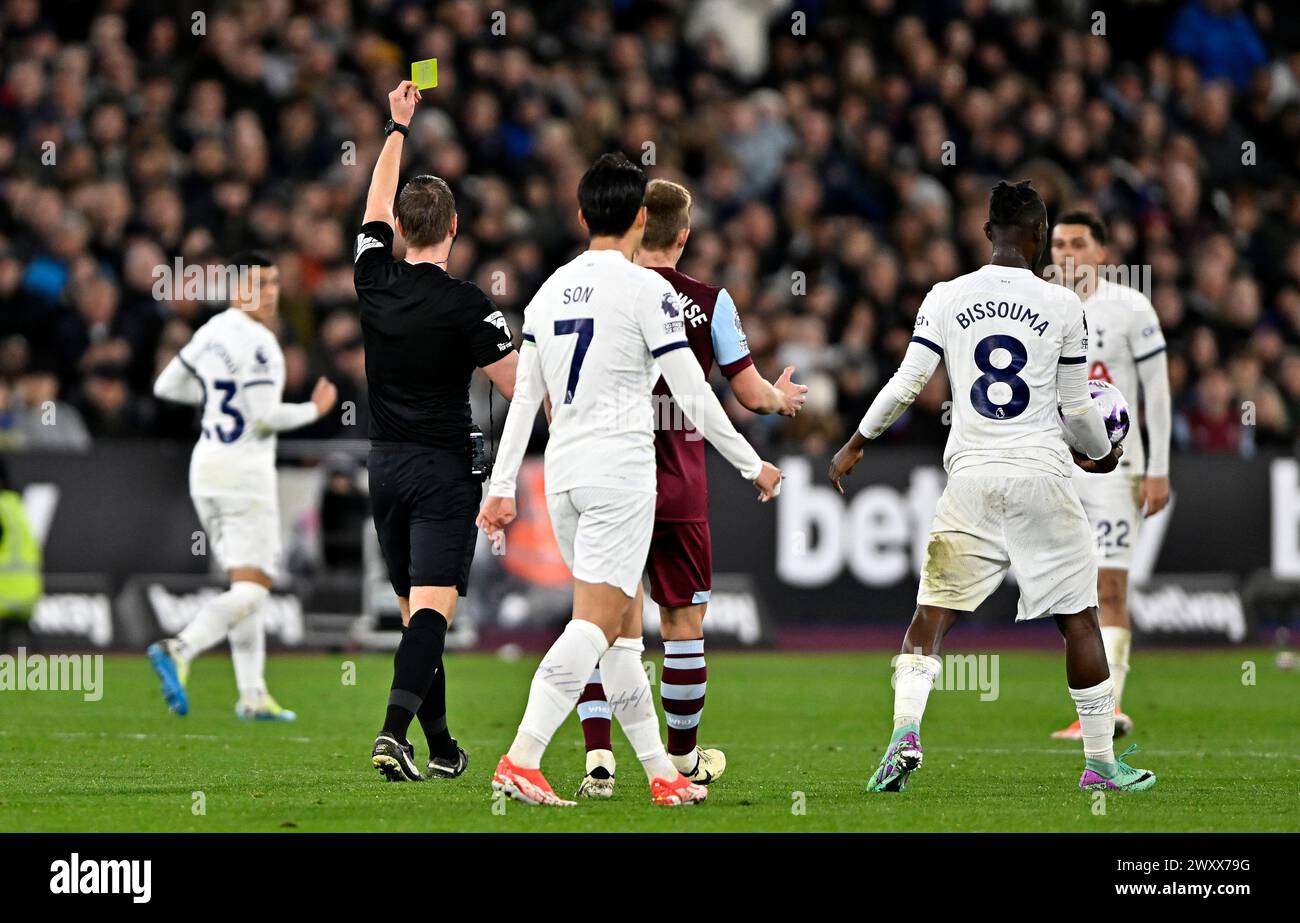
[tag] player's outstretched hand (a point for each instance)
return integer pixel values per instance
(792, 394)
(496, 514)
(842, 465)
(324, 395)
(1102, 465)
(401, 102)
(768, 482)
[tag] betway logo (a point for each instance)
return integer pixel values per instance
(282, 613)
(88, 614)
(1174, 610)
(879, 534)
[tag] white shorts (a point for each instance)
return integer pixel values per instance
(603, 533)
(1033, 525)
(1113, 504)
(242, 531)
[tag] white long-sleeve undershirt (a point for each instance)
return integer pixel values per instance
(1082, 418)
(685, 379)
(1157, 407)
(272, 415)
(530, 387)
(178, 384)
(919, 363)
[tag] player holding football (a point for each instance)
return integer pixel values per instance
(592, 336)
(1013, 345)
(681, 554)
(233, 368)
(1125, 346)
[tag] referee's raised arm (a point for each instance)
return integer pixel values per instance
(425, 333)
(500, 368)
(383, 183)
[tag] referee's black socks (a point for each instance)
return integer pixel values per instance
(433, 717)
(414, 665)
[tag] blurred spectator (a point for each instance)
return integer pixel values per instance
(109, 406)
(41, 419)
(840, 154)
(1220, 39)
(1214, 422)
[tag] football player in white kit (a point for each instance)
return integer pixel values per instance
(1125, 347)
(593, 334)
(233, 368)
(1014, 346)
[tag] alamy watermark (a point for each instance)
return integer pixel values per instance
(965, 673)
(1085, 278)
(75, 875)
(211, 282)
(624, 408)
(26, 672)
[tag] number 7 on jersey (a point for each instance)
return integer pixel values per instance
(584, 327)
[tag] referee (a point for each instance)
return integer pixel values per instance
(425, 333)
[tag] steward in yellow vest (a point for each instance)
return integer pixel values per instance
(20, 562)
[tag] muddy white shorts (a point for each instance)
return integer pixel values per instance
(604, 533)
(1113, 505)
(241, 531)
(1034, 526)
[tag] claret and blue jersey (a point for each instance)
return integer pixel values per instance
(713, 329)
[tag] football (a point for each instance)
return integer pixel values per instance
(1114, 410)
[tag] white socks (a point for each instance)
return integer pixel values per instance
(248, 651)
(628, 690)
(219, 615)
(914, 676)
(558, 682)
(1117, 641)
(1096, 707)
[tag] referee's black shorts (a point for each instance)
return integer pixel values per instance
(424, 502)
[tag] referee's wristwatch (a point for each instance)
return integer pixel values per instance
(395, 126)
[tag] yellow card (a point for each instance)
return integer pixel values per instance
(424, 74)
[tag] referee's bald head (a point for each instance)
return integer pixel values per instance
(426, 211)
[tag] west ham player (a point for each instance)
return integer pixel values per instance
(233, 368)
(1013, 345)
(1125, 347)
(592, 336)
(681, 553)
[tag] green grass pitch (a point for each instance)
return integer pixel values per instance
(801, 733)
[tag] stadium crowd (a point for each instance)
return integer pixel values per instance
(840, 153)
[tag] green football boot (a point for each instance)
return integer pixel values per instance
(901, 760)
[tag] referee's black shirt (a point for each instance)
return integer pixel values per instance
(425, 333)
